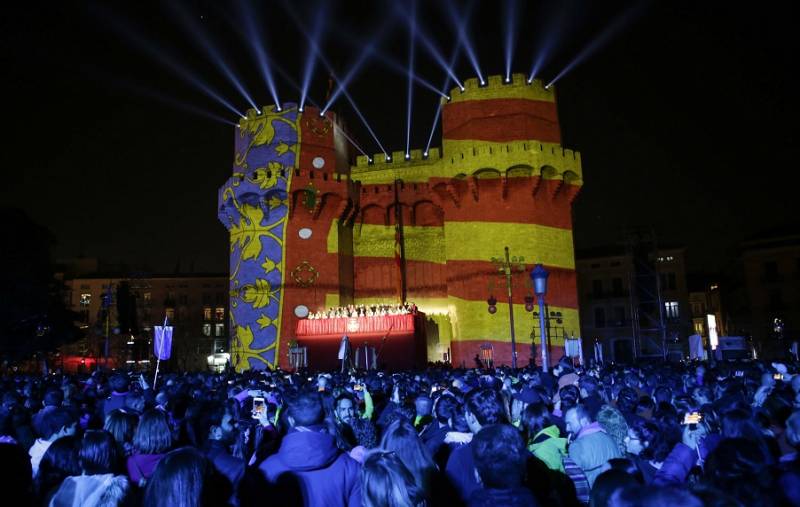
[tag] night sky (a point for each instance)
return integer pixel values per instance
(685, 118)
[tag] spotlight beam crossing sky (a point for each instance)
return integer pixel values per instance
(657, 101)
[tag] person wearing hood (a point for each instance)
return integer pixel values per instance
(543, 436)
(308, 467)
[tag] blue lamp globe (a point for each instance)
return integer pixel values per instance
(539, 276)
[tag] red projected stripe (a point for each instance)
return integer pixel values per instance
(465, 351)
(501, 120)
(467, 280)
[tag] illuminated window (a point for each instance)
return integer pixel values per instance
(698, 328)
(671, 309)
(219, 329)
(220, 313)
(86, 299)
(207, 313)
(206, 329)
(147, 297)
(170, 314)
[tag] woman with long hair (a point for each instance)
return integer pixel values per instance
(542, 436)
(59, 461)
(386, 482)
(401, 438)
(184, 478)
(98, 485)
(121, 426)
(151, 441)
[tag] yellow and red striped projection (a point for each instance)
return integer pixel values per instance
(501, 178)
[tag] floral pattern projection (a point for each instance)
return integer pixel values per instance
(253, 205)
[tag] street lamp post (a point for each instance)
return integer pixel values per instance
(507, 267)
(539, 276)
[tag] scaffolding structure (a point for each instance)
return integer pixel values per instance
(647, 308)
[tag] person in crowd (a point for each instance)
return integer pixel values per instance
(423, 406)
(543, 436)
(98, 485)
(121, 425)
(608, 483)
(482, 407)
(520, 400)
(308, 465)
(386, 482)
(445, 410)
(647, 446)
(119, 391)
(15, 481)
(500, 458)
(58, 462)
(53, 399)
(591, 447)
(58, 423)
(614, 424)
(151, 441)
(184, 478)
(590, 393)
(401, 438)
(221, 435)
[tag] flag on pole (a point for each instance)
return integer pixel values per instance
(398, 260)
(162, 344)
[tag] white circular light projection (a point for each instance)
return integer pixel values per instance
(301, 311)
(318, 162)
(304, 233)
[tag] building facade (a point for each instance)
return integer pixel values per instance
(196, 305)
(309, 231)
(606, 291)
(771, 271)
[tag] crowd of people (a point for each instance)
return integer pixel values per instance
(364, 311)
(651, 435)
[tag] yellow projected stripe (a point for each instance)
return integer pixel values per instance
(472, 321)
(421, 243)
(480, 241)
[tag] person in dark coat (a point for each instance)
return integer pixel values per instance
(500, 457)
(309, 469)
(119, 386)
(483, 407)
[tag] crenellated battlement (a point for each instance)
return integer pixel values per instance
(497, 88)
(378, 160)
(547, 159)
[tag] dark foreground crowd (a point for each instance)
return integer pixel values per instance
(662, 435)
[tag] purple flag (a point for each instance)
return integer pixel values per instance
(162, 344)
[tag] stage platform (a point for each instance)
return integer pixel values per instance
(399, 339)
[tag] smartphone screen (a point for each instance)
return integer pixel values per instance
(778, 376)
(259, 407)
(692, 418)
(357, 387)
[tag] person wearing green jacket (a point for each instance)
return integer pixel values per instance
(543, 437)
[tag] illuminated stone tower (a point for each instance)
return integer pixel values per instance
(308, 231)
(501, 179)
(282, 207)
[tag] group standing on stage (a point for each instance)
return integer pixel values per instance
(365, 311)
